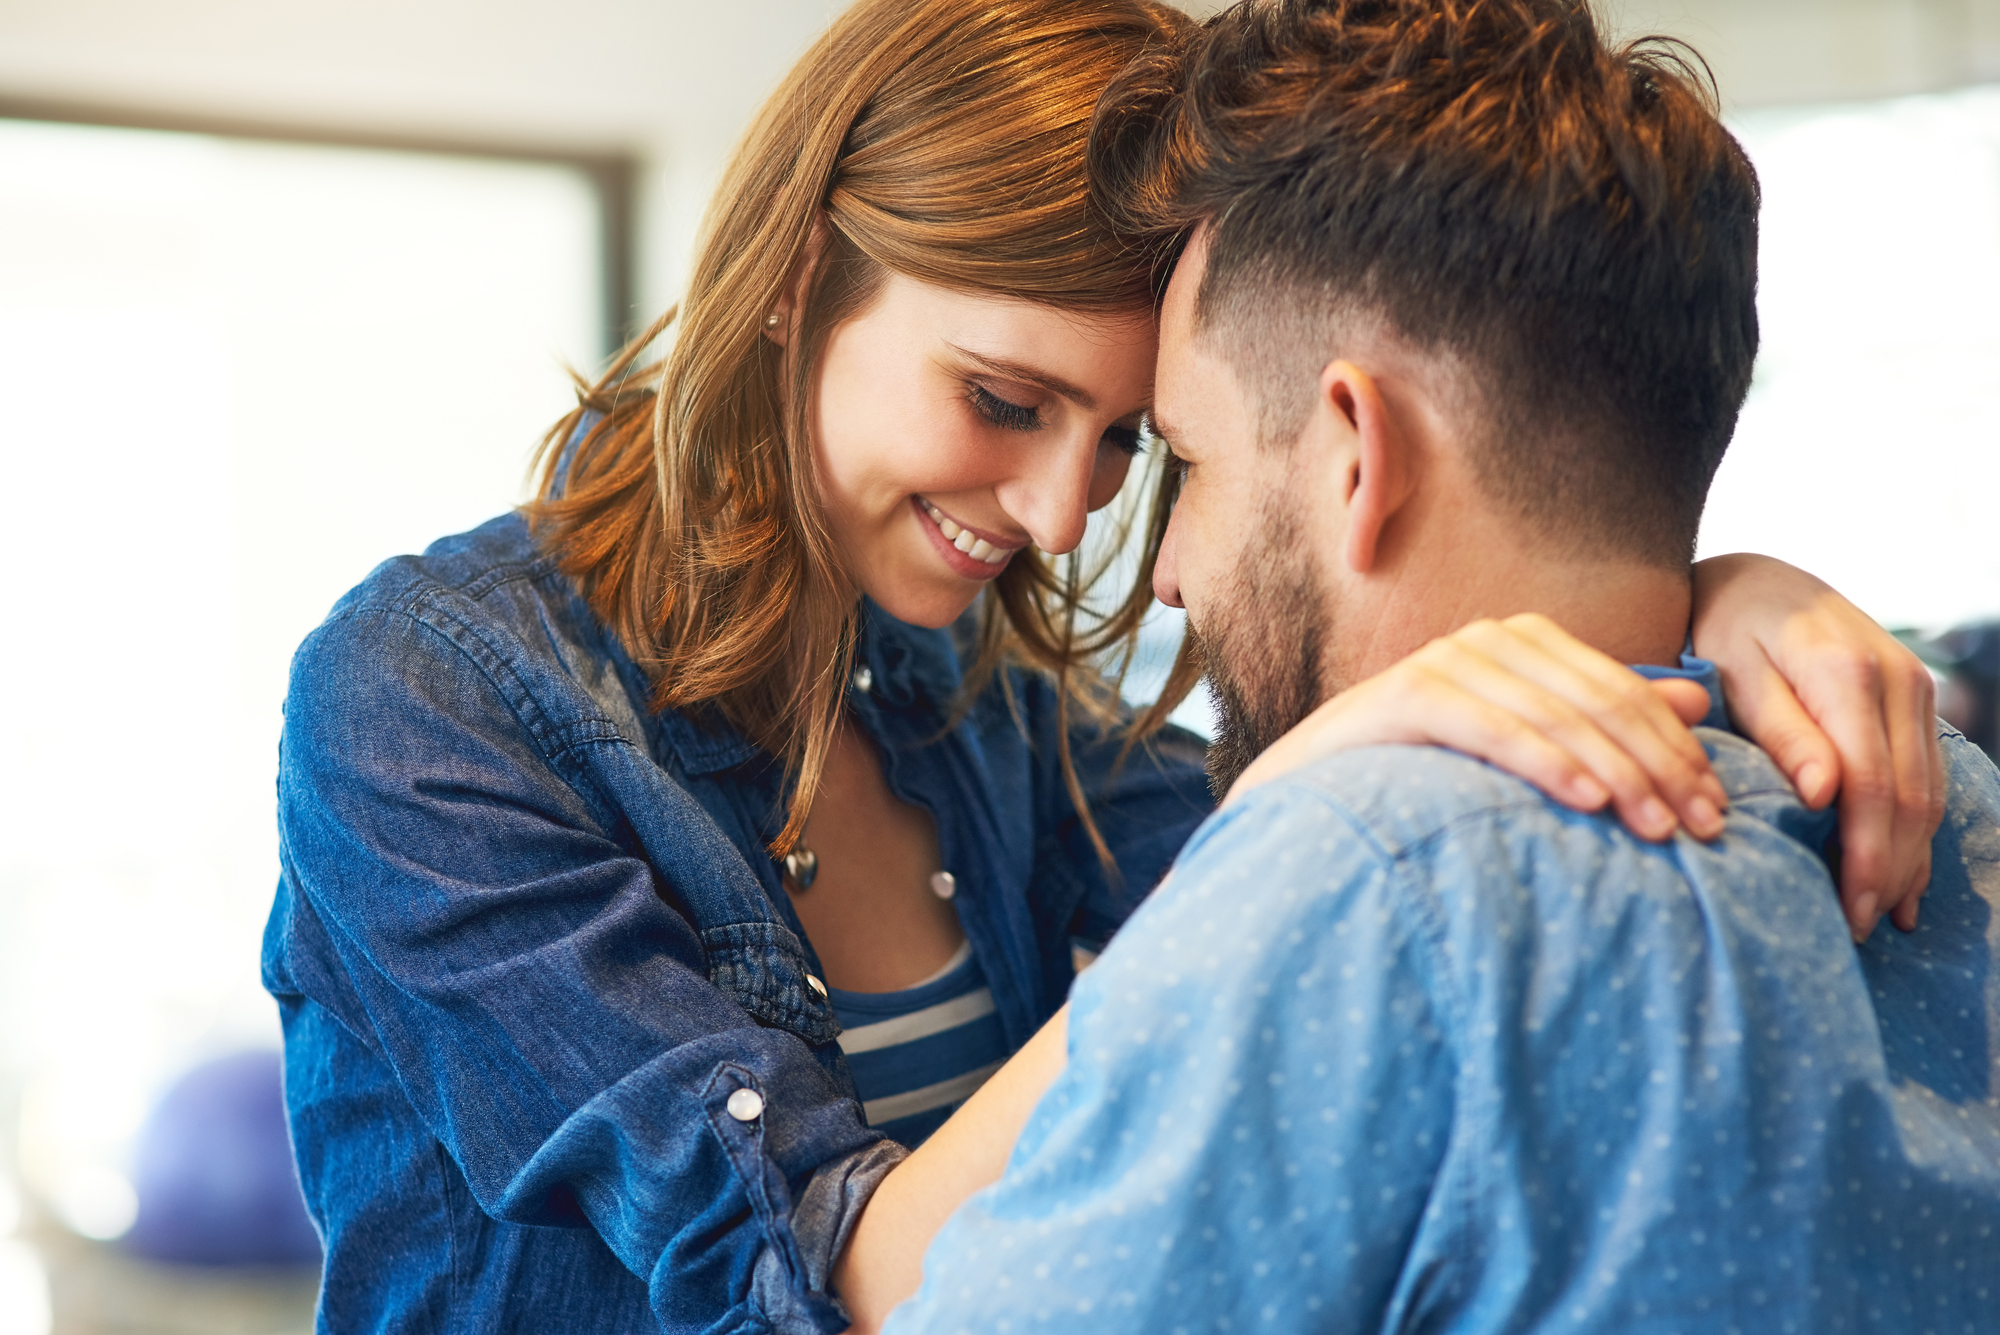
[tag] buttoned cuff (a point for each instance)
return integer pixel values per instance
(789, 1284)
(822, 1221)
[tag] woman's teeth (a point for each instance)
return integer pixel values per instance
(979, 549)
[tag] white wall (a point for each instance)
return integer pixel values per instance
(233, 377)
(1772, 52)
(673, 80)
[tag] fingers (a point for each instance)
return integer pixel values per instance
(1766, 709)
(1624, 732)
(1878, 711)
(1806, 670)
(1859, 732)
(1424, 702)
(1525, 696)
(1910, 708)
(1521, 743)
(1905, 914)
(1688, 699)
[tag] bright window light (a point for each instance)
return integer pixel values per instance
(233, 377)
(1869, 451)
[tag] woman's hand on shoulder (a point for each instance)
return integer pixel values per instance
(1843, 708)
(1525, 695)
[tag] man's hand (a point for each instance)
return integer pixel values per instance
(1843, 708)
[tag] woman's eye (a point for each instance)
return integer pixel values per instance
(1007, 416)
(1126, 438)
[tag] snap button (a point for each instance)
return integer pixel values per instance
(816, 985)
(745, 1105)
(864, 679)
(943, 884)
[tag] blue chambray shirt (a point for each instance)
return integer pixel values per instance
(1405, 1046)
(527, 943)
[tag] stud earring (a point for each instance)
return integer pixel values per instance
(773, 320)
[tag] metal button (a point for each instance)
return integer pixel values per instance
(746, 1105)
(864, 678)
(943, 884)
(816, 985)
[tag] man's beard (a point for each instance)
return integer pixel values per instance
(1261, 648)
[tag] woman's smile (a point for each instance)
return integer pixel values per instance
(905, 432)
(970, 552)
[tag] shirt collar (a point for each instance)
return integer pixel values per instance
(1695, 669)
(906, 669)
(909, 666)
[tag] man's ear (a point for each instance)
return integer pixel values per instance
(1380, 475)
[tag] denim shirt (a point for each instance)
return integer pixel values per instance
(529, 950)
(1405, 1046)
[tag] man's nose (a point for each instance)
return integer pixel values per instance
(1166, 566)
(1050, 497)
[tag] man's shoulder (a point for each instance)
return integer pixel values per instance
(1972, 793)
(1401, 799)
(1385, 833)
(1479, 857)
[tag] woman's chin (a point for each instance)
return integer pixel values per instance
(924, 603)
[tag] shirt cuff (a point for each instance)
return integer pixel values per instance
(823, 1219)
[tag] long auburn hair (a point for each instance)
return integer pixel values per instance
(943, 140)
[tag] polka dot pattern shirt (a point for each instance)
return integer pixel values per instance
(1404, 1046)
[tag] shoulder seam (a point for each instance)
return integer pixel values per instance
(553, 743)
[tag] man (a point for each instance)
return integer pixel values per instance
(1462, 330)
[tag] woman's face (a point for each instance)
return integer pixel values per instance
(950, 431)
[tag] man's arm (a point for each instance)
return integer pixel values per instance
(1257, 1100)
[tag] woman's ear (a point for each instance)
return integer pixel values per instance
(1381, 472)
(782, 318)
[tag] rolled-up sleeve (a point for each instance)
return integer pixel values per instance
(466, 901)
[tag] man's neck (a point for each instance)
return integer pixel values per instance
(1633, 613)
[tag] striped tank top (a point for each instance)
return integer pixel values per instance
(916, 1054)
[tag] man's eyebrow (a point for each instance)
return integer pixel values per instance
(1161, 428)
(1015, 370)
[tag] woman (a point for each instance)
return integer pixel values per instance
(598, 833)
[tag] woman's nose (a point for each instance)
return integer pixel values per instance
(1050, 495)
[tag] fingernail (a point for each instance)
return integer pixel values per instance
(1716, 793)
(1811, 776)
(1590, 792)
(1865, 913)
(1703, 818)
(1658, 821)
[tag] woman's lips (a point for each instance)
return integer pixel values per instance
(969, 554)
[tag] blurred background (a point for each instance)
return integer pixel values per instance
(288, 286)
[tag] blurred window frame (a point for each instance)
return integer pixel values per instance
(613, 178)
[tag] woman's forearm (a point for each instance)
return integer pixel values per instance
(883, 1263)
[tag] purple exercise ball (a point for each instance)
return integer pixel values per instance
(213, 1171)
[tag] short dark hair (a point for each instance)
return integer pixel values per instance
(1491, 181)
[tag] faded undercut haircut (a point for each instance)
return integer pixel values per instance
(1564, 221)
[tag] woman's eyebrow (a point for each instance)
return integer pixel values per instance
(1017, 371)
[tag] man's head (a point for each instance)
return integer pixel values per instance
(1469, 294)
